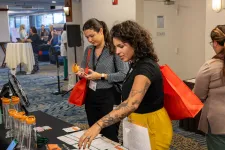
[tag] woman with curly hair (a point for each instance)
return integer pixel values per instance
(142, 91)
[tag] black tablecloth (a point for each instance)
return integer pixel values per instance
(43, 119)
(191, 124)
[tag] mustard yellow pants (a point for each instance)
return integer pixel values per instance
(159, 127)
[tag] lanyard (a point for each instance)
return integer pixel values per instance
(93, 59)
(128, 73)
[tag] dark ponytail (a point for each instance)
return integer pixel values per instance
(96, 25)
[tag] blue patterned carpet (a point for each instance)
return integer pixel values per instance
(39, 88)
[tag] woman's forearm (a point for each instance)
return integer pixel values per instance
(128, 106)
(123, 110)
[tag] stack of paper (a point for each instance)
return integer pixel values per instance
(99, 143)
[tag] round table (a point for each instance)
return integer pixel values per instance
(20, 53)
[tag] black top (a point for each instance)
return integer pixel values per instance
(42, 33)
(154, 97)
(36, 41)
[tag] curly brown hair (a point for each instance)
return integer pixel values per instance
(138, 38)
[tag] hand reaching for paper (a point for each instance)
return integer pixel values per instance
(89, 135)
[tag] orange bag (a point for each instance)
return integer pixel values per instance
(179, 101)
(78, 94)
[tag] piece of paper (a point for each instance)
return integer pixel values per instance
(46, 128)
(118, 147)
(71, 129)
(102, 144)
(67, 140)
(80, 133)
(39, 129)
(72, 137)
(91, 148)
(135, 137)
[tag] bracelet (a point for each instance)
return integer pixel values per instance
(99, 125)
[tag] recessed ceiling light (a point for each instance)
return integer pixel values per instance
(53, 1)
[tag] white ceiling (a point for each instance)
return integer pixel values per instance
(31, 6)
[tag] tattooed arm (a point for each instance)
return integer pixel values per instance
(139, 88)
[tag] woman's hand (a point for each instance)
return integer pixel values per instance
(89, 135)
(81, 73)
(93, 75)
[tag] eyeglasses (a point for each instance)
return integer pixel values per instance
(211, 43)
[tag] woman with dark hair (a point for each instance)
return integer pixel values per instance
(35, 42)
(142, 91)
(210, 88)
(105, 70)
(63, 51)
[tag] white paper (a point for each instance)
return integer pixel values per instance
(80, 133)
(72, 137)
(135, 137)
(91, 148)
(102, 144)
(67, 140)
(71, 129)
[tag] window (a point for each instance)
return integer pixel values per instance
(59, 18)
(39, 21)
(47, 19)
(18, 22)
(11, 22)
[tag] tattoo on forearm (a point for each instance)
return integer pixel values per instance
(142, 91)
(124, 109)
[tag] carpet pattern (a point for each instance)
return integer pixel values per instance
(39, 88)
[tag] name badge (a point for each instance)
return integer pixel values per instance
(92, 85)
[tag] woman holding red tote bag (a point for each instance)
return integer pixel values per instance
(102, 75)
(142, 91)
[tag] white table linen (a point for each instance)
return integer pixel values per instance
(17, 53)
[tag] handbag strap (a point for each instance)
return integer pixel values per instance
(88, 57)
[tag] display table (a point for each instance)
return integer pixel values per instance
(191, 124)
(43, 119)
(20, 53)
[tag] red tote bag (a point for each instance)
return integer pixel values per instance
(179, 101)
(78, 94)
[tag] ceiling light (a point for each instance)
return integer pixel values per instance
(54, 2)
(217, 5)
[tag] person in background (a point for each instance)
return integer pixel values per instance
(210, 88)
(44, 33)
(23, 33)
(50, 35)
(142, 91)
(35, 42)
(100, 97)
(63, 51)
